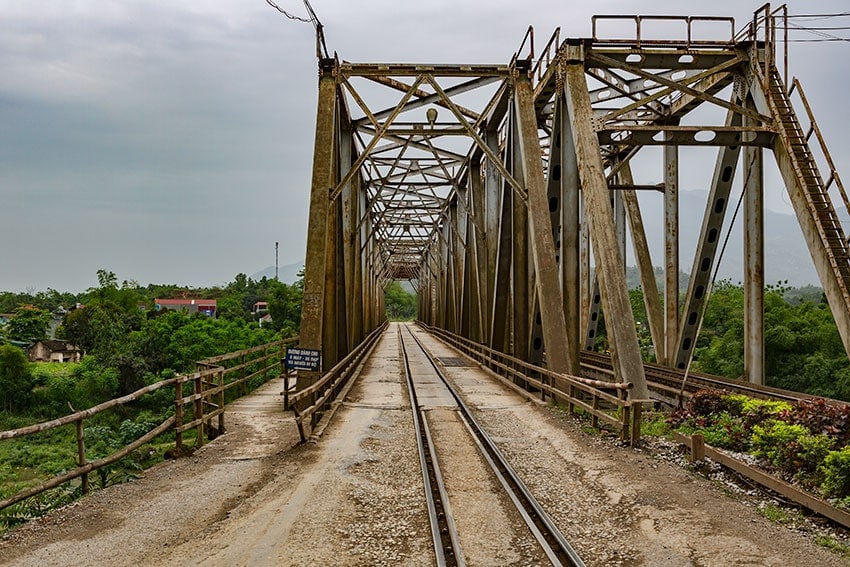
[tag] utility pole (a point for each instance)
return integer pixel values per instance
(276, 246)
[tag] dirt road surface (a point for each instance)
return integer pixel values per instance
(254, 496)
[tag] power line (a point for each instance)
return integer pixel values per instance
(819, 16)
(287, 14)
(814, 31)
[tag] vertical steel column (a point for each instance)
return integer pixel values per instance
(493, 209)
(620, 322)
(671, 248)
(330, 348)
(570, 233)
(585, 272)
(753, 261)
(502, 273)
(542, 243)
(502, 284)
(520, 276)
(350, 201)
(312, 309)
(479, 331)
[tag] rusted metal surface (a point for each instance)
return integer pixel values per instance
(489, 188)
(671, 248)
(753, 264)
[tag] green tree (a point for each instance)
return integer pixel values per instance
(29, 324)
(399, 304)
(285, 307)
(16, 380)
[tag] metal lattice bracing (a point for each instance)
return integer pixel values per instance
(507, 194)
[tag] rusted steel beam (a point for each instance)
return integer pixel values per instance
(413, 70)
(313, 299)
(671, 250)
(753, 263)
(646, 271)
(615, 296)
(565, 182)
(543, 253)
(520, 293)
(685, 136)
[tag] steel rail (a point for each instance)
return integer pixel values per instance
(447, 549)
(547, 534)
(662, 377)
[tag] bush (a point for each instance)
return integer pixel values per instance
(820, 416)
(836, 474)
(726, 431)
(776, 440)
(811, 452)
(708, 402)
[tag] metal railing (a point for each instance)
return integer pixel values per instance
(327, 388)
(639, 39)
(605, 402)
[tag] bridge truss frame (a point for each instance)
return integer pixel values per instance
(510, 213)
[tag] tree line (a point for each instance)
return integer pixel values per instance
(126, 342)
(803, 350)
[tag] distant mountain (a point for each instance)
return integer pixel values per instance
(287, 274)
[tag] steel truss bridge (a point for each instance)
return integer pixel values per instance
(505, 193)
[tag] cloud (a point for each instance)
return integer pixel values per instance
(173, 142)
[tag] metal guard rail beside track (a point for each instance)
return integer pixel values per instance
(271, 357)
(576, 392)
(327, 388)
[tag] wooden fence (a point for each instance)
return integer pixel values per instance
(605, 402)
(214, 377)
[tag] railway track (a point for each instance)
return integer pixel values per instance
(444, 534)
(665, 384)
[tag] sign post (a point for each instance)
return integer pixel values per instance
(303, 359)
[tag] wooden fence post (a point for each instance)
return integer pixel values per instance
(221, 401)
(178, 414)
(243, 385)
(199, 408)
(637, 410)
(626, 423)
(81, 455)
(697, 447)
(285, 373)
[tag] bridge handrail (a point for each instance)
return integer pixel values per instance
(328, 386)
(572, 389)
(272, 353)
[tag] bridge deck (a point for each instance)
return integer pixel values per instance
(254, 497)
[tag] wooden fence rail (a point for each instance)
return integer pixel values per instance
(591, 396)
(206, 400)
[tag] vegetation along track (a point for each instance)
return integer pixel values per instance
(444, 535)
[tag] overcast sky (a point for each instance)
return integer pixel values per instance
(171, 142)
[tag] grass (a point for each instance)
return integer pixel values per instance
(833, 544)
(654, 425)
(778, 515)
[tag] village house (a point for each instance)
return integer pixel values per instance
(53, 351)
(191, 306)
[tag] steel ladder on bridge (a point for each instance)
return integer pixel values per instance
(816, 191)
